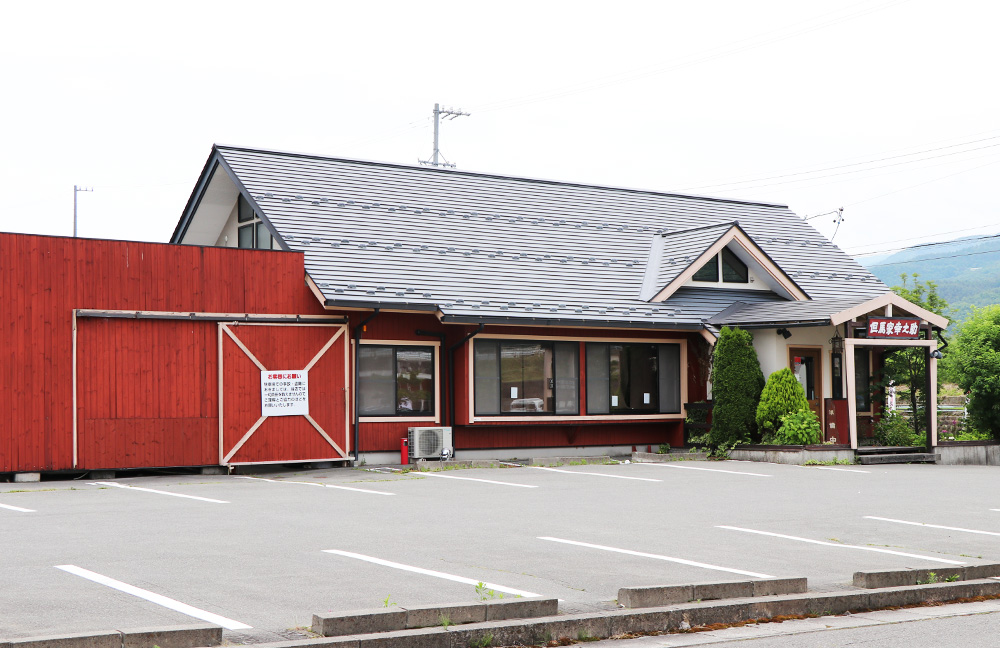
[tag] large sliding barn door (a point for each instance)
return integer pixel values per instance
(145, 393)
(303, 416)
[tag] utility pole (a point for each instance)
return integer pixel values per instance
(448, 113)
(77, 190)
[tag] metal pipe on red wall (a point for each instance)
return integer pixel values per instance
(358, 332)
(445, 369)
(451, 377)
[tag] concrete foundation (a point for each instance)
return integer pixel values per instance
(969, 453)
(797, 455)
(27, 477)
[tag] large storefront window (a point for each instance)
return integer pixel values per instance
(633, 378)
(395, 380)
(518, 377)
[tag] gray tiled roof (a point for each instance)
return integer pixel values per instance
(478, 246)
(744, 313)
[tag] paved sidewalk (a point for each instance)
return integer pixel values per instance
(804, 626)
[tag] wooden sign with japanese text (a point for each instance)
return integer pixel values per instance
(898, 328)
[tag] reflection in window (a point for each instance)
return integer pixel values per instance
(862, 380)
(395, 380)
(514, 377)
(635, 378)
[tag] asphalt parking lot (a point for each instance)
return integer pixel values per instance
(260, 553)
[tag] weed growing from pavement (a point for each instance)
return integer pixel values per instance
(486, 594)
(386, 602)
(445, 622)
(483, 642)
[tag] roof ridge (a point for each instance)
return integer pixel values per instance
(483, 174)
(727, 224)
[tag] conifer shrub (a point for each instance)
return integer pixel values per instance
(782, 395)
(737, 382)
(800, 427)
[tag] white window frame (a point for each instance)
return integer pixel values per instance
(436, 345)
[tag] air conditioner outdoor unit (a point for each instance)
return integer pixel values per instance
(428, 442)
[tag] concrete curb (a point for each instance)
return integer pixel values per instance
(578, 461)
(660, 595)
(600, 625)
(903, 577)
(408, 618)
(655, 457)
(186, 636)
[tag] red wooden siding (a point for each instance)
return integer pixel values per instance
(146, 393)
(284, 438)
(43, 278)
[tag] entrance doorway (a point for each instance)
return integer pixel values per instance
(807, 365)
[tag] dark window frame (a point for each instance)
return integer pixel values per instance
(248, 219)
(556, 376)
(661, 400)
(718, 262)
(396, 348)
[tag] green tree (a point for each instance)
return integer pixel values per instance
(782, 395)
(977, 363)
(908, 366)
(736, 385)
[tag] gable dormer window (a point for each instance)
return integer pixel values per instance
(725, 265)
(251, 231)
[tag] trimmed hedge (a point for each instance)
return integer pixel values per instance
(737, 382)
(782, 395)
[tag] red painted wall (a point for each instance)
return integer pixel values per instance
(43, 278)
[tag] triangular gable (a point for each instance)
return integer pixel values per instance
(734, 234)
(211, 202)
(889, 299)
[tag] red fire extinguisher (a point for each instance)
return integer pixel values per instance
(404, 451)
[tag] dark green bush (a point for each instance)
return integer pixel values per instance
(800, 427)
(736, 385)
(893, 430)
(782, 395)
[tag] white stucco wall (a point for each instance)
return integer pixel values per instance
(772, 349)
(228, 236)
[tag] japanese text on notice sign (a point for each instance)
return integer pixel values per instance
(885, 327)
(284, 393)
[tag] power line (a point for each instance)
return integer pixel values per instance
(916, 238)
(950, 256)
(933, 244)
(844, 166)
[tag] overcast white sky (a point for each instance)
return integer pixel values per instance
(128, 98)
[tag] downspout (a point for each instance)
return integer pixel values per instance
(444, 369)
(358, 331)
(451, 376)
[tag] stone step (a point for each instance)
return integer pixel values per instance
(913, 457)
(883, 450)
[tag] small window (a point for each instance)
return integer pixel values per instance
(709, 272)
(395, 380)
(252, 232)
(862, 380)
(733, 270)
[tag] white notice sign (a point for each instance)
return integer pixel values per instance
(284, 393)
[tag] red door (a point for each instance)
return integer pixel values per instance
(314, 357)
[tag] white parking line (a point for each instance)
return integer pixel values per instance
(152, 597)
(844, 546)
(17, 508)
(579, 472)
(431, 572)
(720, 470)
(158, 492)
(485, 481)
(658, 557)
(302, 483)
(932, 526)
